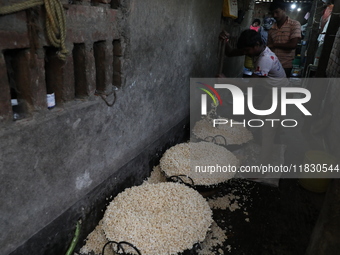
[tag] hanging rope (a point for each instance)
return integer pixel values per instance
(55, 21)
(20, 6)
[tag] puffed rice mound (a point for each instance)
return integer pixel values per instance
(159, 219)
(183, 158)
(237, 134)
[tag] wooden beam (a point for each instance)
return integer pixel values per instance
(313, 32)
(332, 29)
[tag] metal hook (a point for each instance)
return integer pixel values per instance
(120, 247)
(177, 178)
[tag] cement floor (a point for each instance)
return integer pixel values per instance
(269, 220)
(272, 220)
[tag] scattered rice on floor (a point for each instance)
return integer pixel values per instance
(215, 237)
(228, 201)
(220, 251)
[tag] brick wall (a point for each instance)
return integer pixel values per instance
(51, 161)
(32, 64)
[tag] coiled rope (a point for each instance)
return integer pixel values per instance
(55, 21)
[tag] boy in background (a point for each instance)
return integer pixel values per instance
(267, 67)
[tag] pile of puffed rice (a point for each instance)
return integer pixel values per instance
(159, 219)
(188, 158)
(237, 134)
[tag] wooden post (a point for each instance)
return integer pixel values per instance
(332, 29)
(318, 92)
(313, 32)
(5, 95)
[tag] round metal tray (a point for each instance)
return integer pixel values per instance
(204, 190)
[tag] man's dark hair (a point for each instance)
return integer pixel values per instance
(256, 20)
(277, 4)
(249, 38)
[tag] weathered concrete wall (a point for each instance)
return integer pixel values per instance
(55, 238)
(233, 66)
(51, 160)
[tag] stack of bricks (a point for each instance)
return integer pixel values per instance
(29, 65)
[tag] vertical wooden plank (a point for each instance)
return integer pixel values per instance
(79, 64)
(117, 65)
(5, 94)
(22, 81)
(312, 33)
(99, 57)
(332, 29)
(37, 81)
(68, 87)
(108, 47)
(90, 68)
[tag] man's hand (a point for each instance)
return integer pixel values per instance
(224, 35)
(229, 51)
